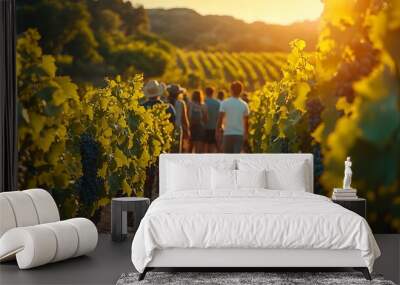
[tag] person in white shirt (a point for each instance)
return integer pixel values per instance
(233, 115)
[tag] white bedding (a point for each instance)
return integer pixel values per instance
(251, 218)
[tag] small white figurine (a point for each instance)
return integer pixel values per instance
(347, 174)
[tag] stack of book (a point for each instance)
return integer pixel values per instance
(344, 194)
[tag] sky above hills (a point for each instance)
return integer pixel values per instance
(270, 11)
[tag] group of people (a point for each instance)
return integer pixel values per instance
(203, 123)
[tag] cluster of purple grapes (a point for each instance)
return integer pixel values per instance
(89, 187)
(314, 109)
(318, 168)
(351, 70)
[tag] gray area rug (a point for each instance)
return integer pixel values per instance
(269, 278)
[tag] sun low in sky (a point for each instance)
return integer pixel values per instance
(270, 11)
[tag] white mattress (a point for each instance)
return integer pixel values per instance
(252, 219)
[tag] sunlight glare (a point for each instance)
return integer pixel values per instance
(270, 11)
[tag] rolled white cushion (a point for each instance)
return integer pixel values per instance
(23, 208)
(67, 240)
(33, 246)
(26, 208)
(87, 235)
(46, 208)
(37, 245)
(7, 218)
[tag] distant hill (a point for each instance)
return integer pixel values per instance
(188, 29)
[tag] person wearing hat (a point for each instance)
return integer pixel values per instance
(182, 129)
(153, 90)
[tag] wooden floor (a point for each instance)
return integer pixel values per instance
(110, 260)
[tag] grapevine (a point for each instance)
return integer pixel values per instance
(350, 107)
(85, 145)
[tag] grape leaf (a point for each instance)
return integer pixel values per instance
(48, 64)
(303, 89)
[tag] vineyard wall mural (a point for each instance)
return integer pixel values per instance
(328, 86)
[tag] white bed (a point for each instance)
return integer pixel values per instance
(249, 227)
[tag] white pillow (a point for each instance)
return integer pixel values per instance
(223, 179)
(282, 174)
(251, 178)
(183, 178)
(292, 179)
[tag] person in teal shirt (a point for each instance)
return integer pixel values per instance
(233, 121)
(213, 106)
